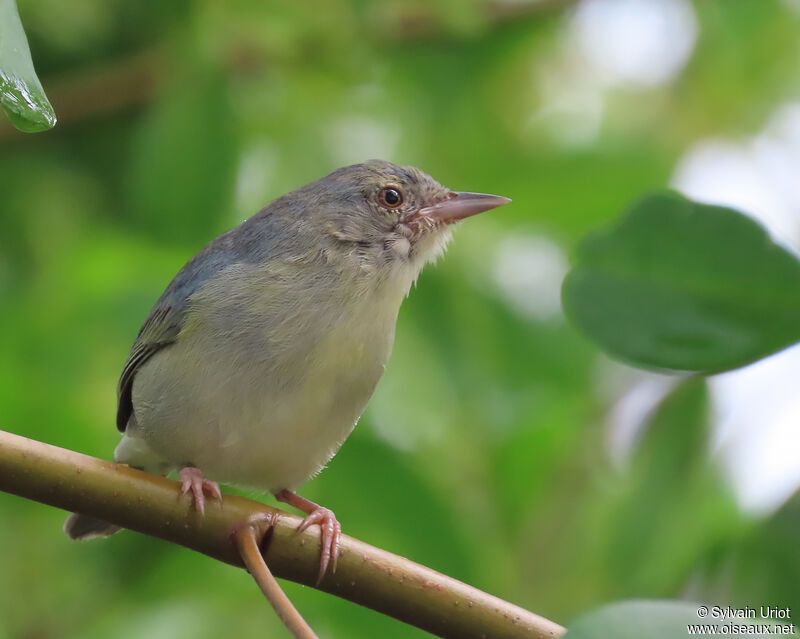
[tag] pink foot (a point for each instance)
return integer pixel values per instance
(330, 528)
(191, 478)
(330, 537)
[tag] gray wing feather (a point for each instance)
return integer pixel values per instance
(254, 240)
(160, 329)
(163, 325)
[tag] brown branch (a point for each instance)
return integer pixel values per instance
(247, 539)
(366, 575)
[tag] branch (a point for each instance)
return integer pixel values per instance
(366, 575)
(247, 539)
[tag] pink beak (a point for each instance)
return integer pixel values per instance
(461, 205)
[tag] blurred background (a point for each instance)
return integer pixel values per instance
(501, 447)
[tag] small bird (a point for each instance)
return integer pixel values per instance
(258, 359)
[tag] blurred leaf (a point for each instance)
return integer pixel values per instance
(671, 486)
(760, 566)
(686, 286)
(633, 512)
(645, 620)
(184, 160)
(21, 93)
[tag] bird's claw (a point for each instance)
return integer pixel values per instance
(330, 537)
(192, 479)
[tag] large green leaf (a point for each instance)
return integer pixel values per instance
(21, 93)
(679, 285)
(659, 620)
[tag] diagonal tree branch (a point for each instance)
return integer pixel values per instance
(366, 575)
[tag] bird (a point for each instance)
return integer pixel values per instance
(261, 354)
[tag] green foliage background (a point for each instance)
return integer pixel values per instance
(483, 452)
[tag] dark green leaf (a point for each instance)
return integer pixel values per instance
(21, 93)
(679, 285)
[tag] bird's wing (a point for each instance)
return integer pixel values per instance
(255, 237)
(163, 325)
(159, 330)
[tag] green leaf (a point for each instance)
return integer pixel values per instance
(680, 285)
(644, 619)
(184, 159)
(669, 484)
(21, 93)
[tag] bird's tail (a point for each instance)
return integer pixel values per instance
(78, 526)
(135, 453)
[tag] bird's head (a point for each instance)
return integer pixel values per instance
(386, 214)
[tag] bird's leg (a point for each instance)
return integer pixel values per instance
(330, 528)
(191, 478)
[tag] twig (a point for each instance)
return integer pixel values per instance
(366, 575)
(251, 555)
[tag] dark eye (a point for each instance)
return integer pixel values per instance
(390, 197)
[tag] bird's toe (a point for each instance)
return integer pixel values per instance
(192, 479)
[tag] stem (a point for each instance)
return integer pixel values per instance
(251, 555)
(366, 575)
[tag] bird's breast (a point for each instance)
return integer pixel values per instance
(264, 394)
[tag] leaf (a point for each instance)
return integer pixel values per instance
(644, 619)
(21, 93)
(669, 484)
(686, 286)
(184, 159)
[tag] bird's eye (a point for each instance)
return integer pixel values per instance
(390, 197)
